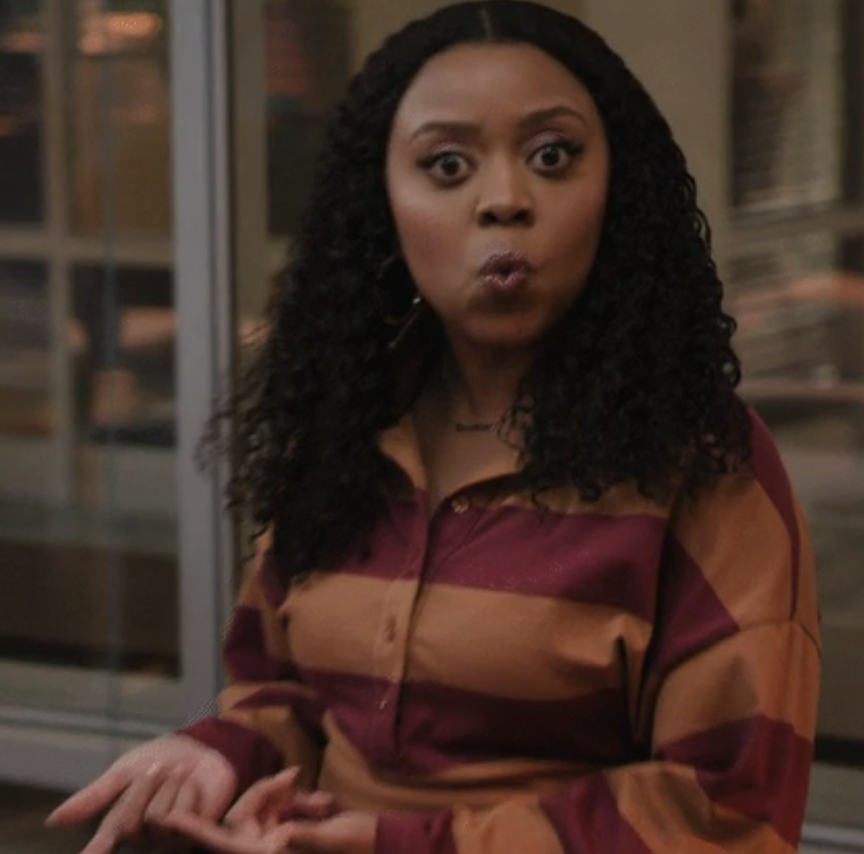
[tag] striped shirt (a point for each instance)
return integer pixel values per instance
(606, 678)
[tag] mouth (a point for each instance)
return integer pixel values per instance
(505, 272)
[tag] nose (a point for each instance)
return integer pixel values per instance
(505, 198)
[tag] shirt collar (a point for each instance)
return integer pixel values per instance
(400, 444)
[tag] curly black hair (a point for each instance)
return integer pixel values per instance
(636, 383)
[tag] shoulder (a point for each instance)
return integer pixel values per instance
(747, 540)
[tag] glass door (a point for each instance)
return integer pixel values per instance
(796, 264)
(110, 617)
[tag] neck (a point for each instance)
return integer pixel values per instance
(480, 387)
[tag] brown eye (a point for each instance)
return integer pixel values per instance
(554, 157)
(448, 167)
(551, 156)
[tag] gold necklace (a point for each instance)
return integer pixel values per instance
(479, 426)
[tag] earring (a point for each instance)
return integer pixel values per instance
(401, 321)
(406, 322)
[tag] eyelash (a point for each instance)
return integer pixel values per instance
(570, 148)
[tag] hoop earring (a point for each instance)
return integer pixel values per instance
(406, 322)
(412, 310)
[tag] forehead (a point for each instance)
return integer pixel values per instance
(492, 77)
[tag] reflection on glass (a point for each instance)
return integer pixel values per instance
(74, 626)
(118, 113)
(307, 66)
(88, 511)
(21, 190)
(25, 342)
(800, 306)
(91, 582)
(787, 118)
(785, 298)
(125, 371)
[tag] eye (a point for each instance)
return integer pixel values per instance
(554, 157)
(446, 167)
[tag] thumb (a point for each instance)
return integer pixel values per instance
(261, 794)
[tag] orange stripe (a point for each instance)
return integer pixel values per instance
(336, 622)
(503, 644)
(807, 611)
(772, 669)
(742, 547)
(516, 827)
(669, 809)
(523, 647)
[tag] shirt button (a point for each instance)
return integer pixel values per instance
(460, 504)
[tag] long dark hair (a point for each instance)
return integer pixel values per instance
(635, 383)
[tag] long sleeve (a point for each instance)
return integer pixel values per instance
(725, 712)
(267, 718)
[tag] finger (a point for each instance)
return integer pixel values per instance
(162, 802)
(165, 796)
(304, 836)
(189, 797)
(188, 800)
(125, 819)
(213, 800)
(90, 800)
(214, 836)
(313, 805)
(262, 794)
(282, 839)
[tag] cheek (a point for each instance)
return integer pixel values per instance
(588, 216)
(428, 234)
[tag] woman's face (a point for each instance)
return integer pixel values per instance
(497, 173)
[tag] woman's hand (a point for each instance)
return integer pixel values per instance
(173, 772)
(272, 817)
(345, 833)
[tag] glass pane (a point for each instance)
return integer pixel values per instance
(118, 117)
(25, 349)
(101, 535)
(787, 96)
(89, 617)
(125, 374)
(21, 120)
(800, 304)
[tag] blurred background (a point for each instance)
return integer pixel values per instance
(153, 159)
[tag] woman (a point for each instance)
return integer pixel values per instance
(534, 578)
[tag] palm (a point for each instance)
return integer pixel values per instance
(247, 837)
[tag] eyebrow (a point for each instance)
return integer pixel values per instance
(538, 117)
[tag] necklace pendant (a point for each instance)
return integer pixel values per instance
(477, 426)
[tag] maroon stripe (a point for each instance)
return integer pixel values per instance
(691, 616)
(584, 557)
(245, 654)
(476, 727)
(251, 755)
(772, 476)
(413, 834)
(758, 766)
(308, 709)
(586, 818)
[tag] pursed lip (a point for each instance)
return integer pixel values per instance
(500, 264)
